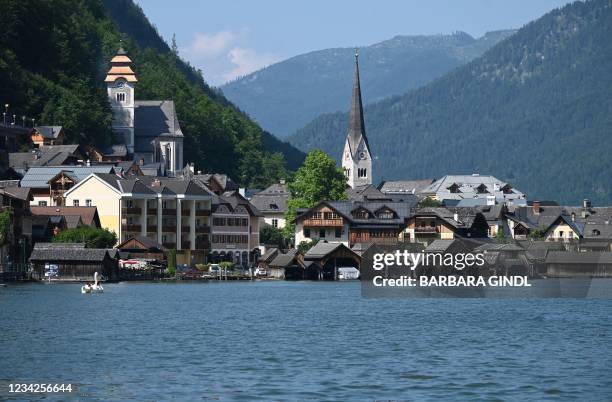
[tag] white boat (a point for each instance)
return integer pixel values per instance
(348, 273)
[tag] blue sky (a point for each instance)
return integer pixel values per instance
(226, 39)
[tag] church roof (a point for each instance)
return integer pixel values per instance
(154, 119)
(356, 129)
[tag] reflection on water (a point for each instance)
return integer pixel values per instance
(301, 341)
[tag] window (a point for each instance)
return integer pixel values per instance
(275, 223)
(120, 96)
(219, 221)
(338, 233)
(42, 203)
(561, 234)
(362, 172)
(307, 233)
(88, 203)
(75, 203)
(322, 233)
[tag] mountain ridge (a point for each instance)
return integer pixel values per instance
(285, 96)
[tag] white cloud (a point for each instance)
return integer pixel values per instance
(225, 55)
(246, 61)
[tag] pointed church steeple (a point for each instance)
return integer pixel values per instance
(356, 129)
(357, 161)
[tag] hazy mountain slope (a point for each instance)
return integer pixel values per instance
(285, 96)
(535, 110)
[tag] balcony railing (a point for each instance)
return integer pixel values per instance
(185, 212)
(169, 211)
(169, 245)
(152, 211)
(324, 222)
(169, 228)
(152, 228)
(185, 229)
(426, 229)
(185, 245)
(202, 212)
(133, 210)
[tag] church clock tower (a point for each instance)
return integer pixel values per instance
(356, 158)
(120, 83)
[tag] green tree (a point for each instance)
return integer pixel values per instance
(501, 237)
(429, 202)
(537, 234)
(318, 179)
(304, 246)
(92, 237)
(6, 217)
(268, 234)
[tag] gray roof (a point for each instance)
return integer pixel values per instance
(272, 199)
(439, 245)
(284, 260)
(154, 119)
(224, 180)
(366, 193)
(578, 258)
(147, 242)
(468, 187)
(322, 249)
(50, 132)
(23, 160)
(147, 185)
(269, 255)
(466, 216)
(39, 176)
(402, 211)
(20, 193)
(499, 247)
(66, 252)
(117, 150)
(233, 199)
(404, 186)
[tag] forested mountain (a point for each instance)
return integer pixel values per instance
(53, 56)
(535, 110)
(285, 96)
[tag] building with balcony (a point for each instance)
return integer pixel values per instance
(353, 222)
(235, 230)
(429, 224)
(174, 212)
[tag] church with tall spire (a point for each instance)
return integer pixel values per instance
(357, 158)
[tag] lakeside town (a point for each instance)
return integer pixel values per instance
(171, 220)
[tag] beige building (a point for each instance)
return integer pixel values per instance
(174, 212)
(235, 230)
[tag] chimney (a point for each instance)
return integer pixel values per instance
(199, 172)
(490, 200)
(456, 217)
(536, 207)
(88, 162)
(586, 203)
(191, 167)
(155, 183)
(573, 217)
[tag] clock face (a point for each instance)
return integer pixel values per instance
(362, 155)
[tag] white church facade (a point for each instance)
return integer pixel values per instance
(356, 157)
(149, 129)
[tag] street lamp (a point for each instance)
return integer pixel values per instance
(33, 122)
(23, 121)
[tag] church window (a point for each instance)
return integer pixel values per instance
(362, 172)
(120, 96)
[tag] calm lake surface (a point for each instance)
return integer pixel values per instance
(301, 341)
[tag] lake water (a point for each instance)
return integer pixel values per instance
(301, 341)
